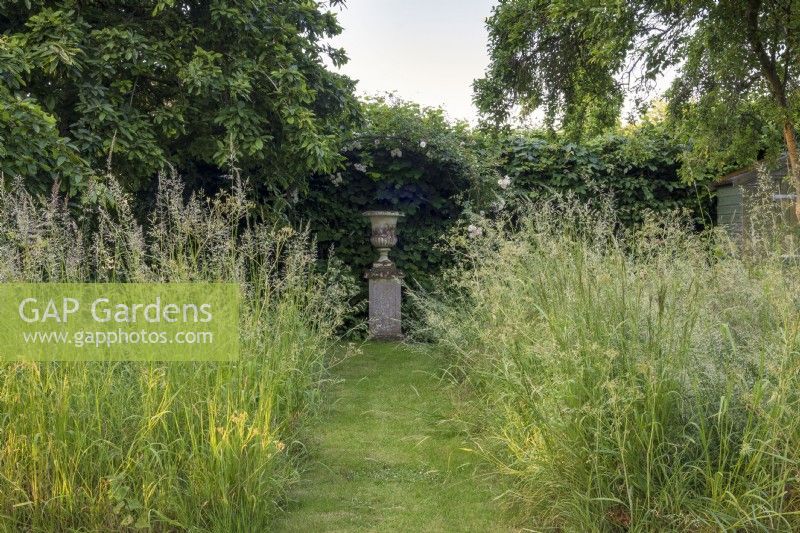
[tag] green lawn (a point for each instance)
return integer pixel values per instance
(385, 456)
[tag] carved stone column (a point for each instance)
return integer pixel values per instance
(385, 294)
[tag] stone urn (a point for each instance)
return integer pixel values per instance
(384, 233)
(385, 287)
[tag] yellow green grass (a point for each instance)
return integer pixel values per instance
(630, 381)
(187, 446)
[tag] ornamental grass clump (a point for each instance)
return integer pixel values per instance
(202, 446)
(644, 381)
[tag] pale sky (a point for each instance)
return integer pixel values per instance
(427, 51)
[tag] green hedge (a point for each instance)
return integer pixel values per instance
(637, 167)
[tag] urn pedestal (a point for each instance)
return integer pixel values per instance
(385, 292)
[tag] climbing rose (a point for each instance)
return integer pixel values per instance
(396, 152)
(360, 167)
(504, 182)
(474, 231)
(423, 144)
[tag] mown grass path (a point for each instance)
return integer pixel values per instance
(385, 457)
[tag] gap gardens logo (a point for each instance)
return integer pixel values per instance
(119, 322)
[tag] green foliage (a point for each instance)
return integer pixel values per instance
(737, 87)
(193, 84)
(540, 56)
(638, 169)
(30, 145)
(405, 158)
(737, 74)
(725, 134)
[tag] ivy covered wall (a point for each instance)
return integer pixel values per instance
(637, 167)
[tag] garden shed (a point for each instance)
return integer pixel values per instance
(736, 193)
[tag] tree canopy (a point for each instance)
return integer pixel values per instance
(135, 85)
(737, 64)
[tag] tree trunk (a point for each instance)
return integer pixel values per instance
(777, 87)
(794, 162)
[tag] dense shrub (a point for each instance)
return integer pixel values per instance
(644, 382)
(201, 446)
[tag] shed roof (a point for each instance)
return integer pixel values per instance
(748, 174)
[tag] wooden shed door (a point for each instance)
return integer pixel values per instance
(729, 208)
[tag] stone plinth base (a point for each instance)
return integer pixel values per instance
(385, 298)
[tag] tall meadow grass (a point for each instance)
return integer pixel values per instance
(200, 446)
(645, 381)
